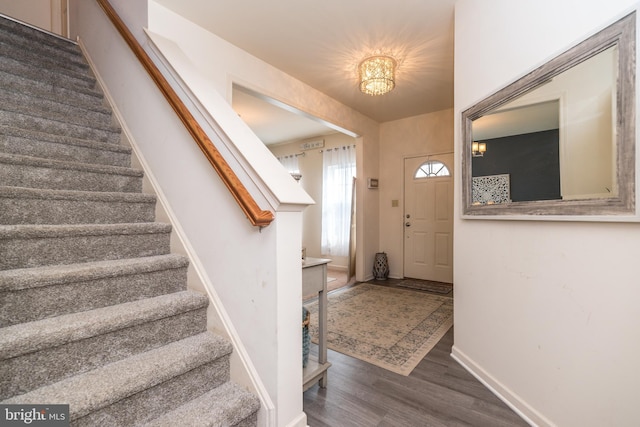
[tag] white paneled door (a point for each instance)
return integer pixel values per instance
(428, 218)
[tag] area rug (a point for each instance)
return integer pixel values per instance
(426, 285)
(391, 328)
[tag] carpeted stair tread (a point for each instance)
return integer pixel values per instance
(81, 84)
(29, 294)
(44, 56)
(61, 164)
(39, 89)
(26, 171)
(91, 347)
(91, 391)
(57, 127)
(45, 38)
(18, 38)
(20, 205)
(223, 406)
(97, 118)
(25, 246)
(31, 231)
(101, 196)
(29, 337)
(27, 278)
(62, 148)
(18, 90)
(23, 48)
(27, 58)
(55, 114)
(72, 64)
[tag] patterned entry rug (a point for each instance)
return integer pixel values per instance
(391, 328)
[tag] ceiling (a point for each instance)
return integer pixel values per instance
(273, 122)
(321, 44)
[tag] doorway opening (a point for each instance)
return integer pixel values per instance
(304, 145)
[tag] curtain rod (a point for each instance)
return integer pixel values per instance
(291, 155)
(344, 147)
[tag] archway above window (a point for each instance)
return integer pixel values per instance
(431, 169)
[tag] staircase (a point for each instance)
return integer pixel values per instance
(94, 309)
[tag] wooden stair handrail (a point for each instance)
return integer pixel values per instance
(256, 216)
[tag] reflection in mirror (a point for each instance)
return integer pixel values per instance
(524, 149)
(560, 140)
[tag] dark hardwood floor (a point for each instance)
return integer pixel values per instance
(439, 392)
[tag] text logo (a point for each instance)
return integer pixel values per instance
(34, 415)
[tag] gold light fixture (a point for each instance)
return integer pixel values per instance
(478, 148)
(377, 75)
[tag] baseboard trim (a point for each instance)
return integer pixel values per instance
(299, 421)
(512, 400)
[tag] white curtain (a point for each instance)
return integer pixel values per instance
(290, 163)
(338, 171)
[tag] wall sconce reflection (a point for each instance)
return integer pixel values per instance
(478, 148)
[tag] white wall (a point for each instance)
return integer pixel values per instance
(545, 312)
(414, 136)
(45, 14)
(225, 64)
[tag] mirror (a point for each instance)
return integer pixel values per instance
(560, 140)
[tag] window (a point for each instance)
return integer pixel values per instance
(431, 169)
(339, 169)
(290, 163)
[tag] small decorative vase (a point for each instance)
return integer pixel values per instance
(381, 266)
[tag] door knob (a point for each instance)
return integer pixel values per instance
(407, 224)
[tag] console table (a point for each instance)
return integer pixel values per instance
(314, 279)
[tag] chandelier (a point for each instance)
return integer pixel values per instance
(377, 75)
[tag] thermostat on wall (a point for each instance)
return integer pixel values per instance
(372, 182)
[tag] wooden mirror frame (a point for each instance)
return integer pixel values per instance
(623, 34)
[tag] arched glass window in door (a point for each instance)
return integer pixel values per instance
(431, 169)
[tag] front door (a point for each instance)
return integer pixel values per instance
(428, 218)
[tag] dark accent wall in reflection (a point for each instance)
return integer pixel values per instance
(532, 160)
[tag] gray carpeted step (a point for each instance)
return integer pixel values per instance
(227, 405)
(25, 246)
(32, 59)
(36, 35)
(68, 52)
(42, 56)
(35, 89)
(81, 83)
(20, 205)
(139, 388)
(85, 274)
(30, 172)
(71, 344)
(27, 104)
(30, 294)
(57, 127)
(59, 147)
(94, 310)
(40, 89)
